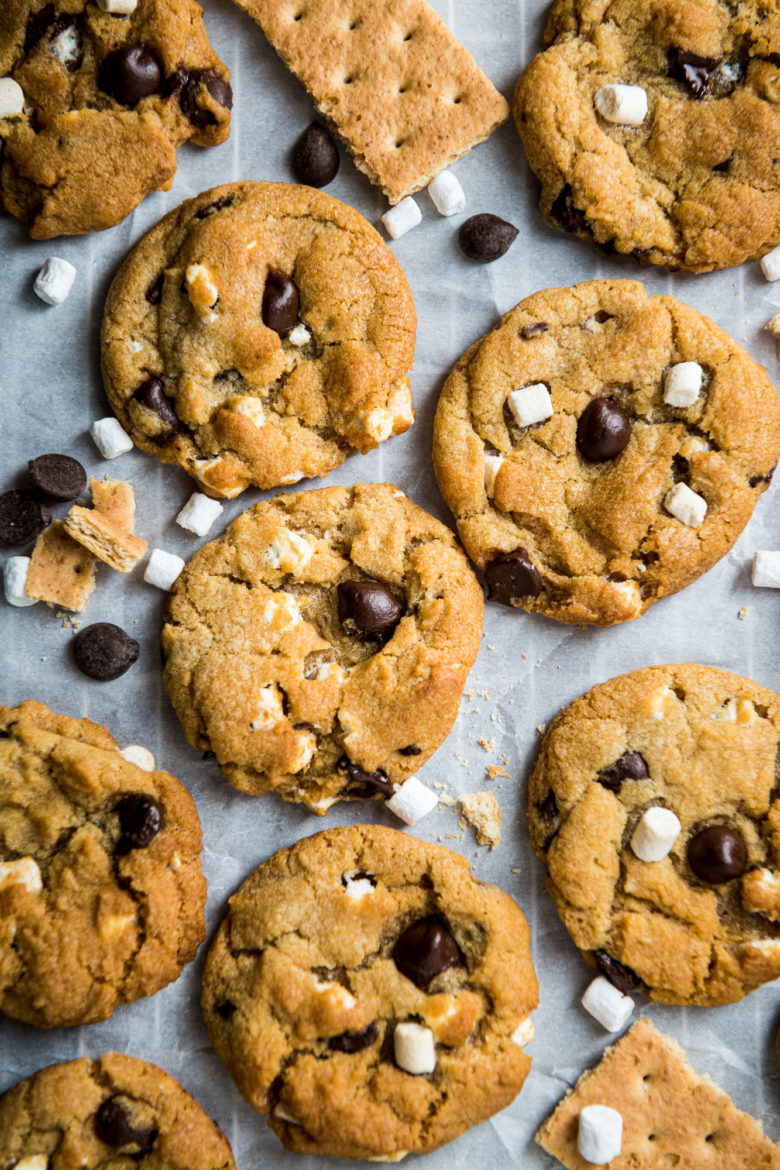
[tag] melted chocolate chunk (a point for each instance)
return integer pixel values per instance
(511, 576)
(368, 609)
(59, 477)
(104, 651)
(603, 430)
(354, 1041)
(22, 517)
(630, 766)
(486, 237)
(424, 950)
(114, 1126)
(217, 205)
(548, 808)
(140, 819)
(717, 854)
(315, 159)
(411, 749)
(281, 303)
(225, 1010)
(371, 782)
(566, 214)
(131, 74)
(534, 330)
(617, 973)
(154, 291)
(151, 395)
(693, 71)
(190, 91)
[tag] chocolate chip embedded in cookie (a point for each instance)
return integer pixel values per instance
(683, 906)
(259, 334)
(370, 995)
(101, 891)
(321, 645)
(601, 449)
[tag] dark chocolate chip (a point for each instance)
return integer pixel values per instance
(692, 70)
(225, 1010)
(58, 476)
(618, 974)
(140, 819)
(37, 25)
(315, 159)
(511, 576)
(151, 395)
(411, 749)
(424, 950)
(217, 205)
(717, 854)
(281, 303)
(723, 167)
(154, 291)
(191, 94)
(566, 214)
(485, 237)
(534, 330)
(103, 651)
(548, 808)
(354, 1041)
(22, 517)
(755, 480)
(114, 1126)
(630, 766)
(131, 73)
(603, 430)
(371, 781)
(368, 609)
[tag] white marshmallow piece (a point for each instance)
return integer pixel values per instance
(15, 571)
(625, 105)
(66, 46)
(600, 1136)
(162, 568)
(140, 756)
(357, 887)
(606, 1004)
(766, 570)
(54, 281)
(530, 404)
(24, 872)
(523, 1033)
(35, 1162)
(11, 98)
(402, 218)
(685, 505)
(770, 264)
(199, 513)
(492, 465)
(118, 7)
(447, 194)
(414, 1048)
(299, 335)
(655, 834)
(110, 438)
(412, 801)
(682, 385)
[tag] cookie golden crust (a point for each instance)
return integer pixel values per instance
(697, 184)
(101, 890)
(259, 334)
(266, 666)
(331, 945)
(115, 1110)
(596, 541)
(702, 924)
(105, 95)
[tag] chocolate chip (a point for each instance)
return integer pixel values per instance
(315, 159)
(281, 303)
(22, 517)
(58, 476)
(486, 237)
(354, 1041)
(154, 291)
(370, 781)
(37, 25)
(548, 808)
(511, 576)
(603, 430)
(217, 205)
(722, 168)
(194, 81)
(103, 651)
(368, 609)
(225, 1010)
(630, 766)
(411, 749)
(114, 1127)
(692, 70)
(151, 395)
(131, 73)
(717, 854)
(566, 214)
(140, 819)
(534, 330)
(424, 950)
(618, 974)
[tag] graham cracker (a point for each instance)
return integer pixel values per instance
(62, 572)
(774, 328)
(107, 528)
(116, 500)
(483, 812)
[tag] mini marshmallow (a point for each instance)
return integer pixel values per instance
(600, 1136)
(414, 1048)
(770, 264)
(492, 465)
(606, 1004)
(530, 404)
(15, 571)
(35, 1162)
(118, 7)
(685, 505)
(199, 513)
(402, 218)
(626, 105)
(66, 45)
(357, 887)
(11, 98)
(299, 335)
(110, 438)
(24, 872)
(682, 384)
(412, 801)
(447, 194)
(140, 756)
(766, 570)
(655, 834)
(54, 281)
(162, 568)
(523, 1033)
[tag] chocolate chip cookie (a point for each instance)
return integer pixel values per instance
(320, 646)
(370, 995)
(699, 923)
(601, 449)
(105, 100)
(101, 891)
(112, 1111)
(259, 334)
(690, 179)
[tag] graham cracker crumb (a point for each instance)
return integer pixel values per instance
(483, 811)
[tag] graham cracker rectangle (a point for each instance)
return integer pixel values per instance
(400, 90)
(107, 528)
(115, 499)
(62, 572)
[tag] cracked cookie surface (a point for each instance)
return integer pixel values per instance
(113, 1111)
(333, 943)
(584, 535)
(696, 185)
(269, 661)
(105, 95)
(701, 925)
(259, 334)
(101, 890)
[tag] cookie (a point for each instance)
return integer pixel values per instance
(678, 168)
(394, 83)
(320, 646)
(114, 1110)
(600, 449)
(107, 99)
(101, 891)
(698, 920)
(259, 334)
(371, 995)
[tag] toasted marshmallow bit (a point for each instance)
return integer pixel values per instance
(492, 465)
(357, 887)
(530, 404)
(330, 672)
(35, 1162)
(401, 218)
(208, 470)
(289, 552)
(523, 1033)
(162, 568)
(15, 571)
(199, 513)
(249, 406)
(628, 592)
(110, 438)
(692, 446)
(281, 611)
(66, 45)
(682, 384)
(269, 708)
(412, 801)
(770, 264)
(140, 756)
(447, 194)
(305, 746)
(414, 1048)
(378, 424)
(54, 281)
(202, 291)
(338, 994)
(24, 872)
(625, 105)
(600, 1135)
(118, 7)
(766, 569)
(685, 505)
(660, 701)
(11, 98)
(299, 335)
(655, 834)
(606, 1004)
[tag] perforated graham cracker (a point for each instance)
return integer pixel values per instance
(390, 77)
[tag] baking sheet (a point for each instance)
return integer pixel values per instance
(528, 667)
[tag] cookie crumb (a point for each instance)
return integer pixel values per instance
(496, 770)
(483, 812)
(744, 612)
(487, 744)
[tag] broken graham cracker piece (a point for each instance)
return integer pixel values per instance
(773, 327)
(106, 529)
(62, 572)
(672, 1115)
(483, 812)
(399, 89)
